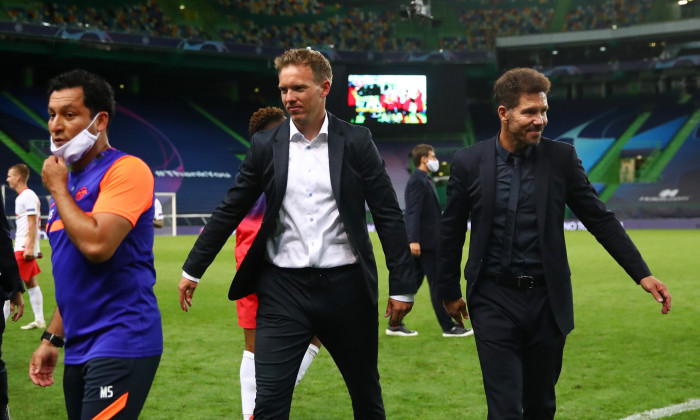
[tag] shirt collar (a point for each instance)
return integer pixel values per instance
(423, 173)
(504, 154)
(295, 133)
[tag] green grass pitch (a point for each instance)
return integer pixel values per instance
(623, 357)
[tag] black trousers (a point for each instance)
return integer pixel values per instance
(3, 373)
(426, 266)
(335, 305)
(520, 350)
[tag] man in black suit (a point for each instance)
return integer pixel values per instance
(312, 263)
(11, 288)
(423, 223)
(514, 187)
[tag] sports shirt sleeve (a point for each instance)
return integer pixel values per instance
(27, 204)
(126, 189)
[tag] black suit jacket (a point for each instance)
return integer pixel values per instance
(422, 211)
(559, 180)
(357, 174)
(10, 282)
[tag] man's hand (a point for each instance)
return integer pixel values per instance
(457, 309)
(17, 306)
(43, 363)
(54, 174)
(186, 290)
(652, 285)
(28, 254)
(397, 310)
(415, 249)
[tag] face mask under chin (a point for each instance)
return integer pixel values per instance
(76, 147)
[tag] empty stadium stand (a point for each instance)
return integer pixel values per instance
(676, 194)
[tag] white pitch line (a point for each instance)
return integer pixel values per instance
(669, 411)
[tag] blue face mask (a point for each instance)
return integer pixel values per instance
(76, 147)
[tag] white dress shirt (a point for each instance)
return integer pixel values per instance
(309, 232)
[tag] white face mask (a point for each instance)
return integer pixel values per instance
(76, 147)
(433, 165)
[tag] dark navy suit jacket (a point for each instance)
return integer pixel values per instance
(560, 180)
(422, 211)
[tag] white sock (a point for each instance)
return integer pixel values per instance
(248, 384)
(36, 299)
(309, 357)
(6, 310)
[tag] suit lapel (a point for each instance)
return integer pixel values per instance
(542, 170)
(487, 174)
(429, 185)
(280, 152)
(336, 148)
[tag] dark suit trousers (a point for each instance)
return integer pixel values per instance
(520, 350)
(426, 266)
(335, 305)
(3, 372)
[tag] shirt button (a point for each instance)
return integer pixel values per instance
(310, 194)
(308, 147)
(311, 219)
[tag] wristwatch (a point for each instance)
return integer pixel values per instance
(53, 339)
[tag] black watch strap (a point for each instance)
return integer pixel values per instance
(53, 339)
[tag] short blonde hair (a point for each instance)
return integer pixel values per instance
(320, 66)
(22, 170)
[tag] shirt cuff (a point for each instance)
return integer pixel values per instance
(190, 278)
(403, 298)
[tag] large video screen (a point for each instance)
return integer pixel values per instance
(392, 100)
(388, 98)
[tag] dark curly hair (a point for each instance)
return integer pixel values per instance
(515, 82)
(265, 119)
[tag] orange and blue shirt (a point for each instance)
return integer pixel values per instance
(109, 309)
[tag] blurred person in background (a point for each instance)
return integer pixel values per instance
(158, 219)
(28, 222)
(423, 214)
(247, 307)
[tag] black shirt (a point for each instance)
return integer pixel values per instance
(526, 257)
